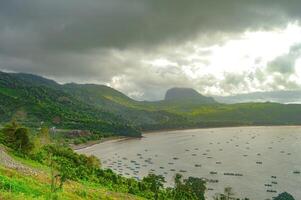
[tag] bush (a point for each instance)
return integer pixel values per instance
(17, 138)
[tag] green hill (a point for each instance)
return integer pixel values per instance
(33, 100)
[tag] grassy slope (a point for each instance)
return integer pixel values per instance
(16, 185)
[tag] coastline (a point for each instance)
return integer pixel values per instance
(92, 143)
(214, 127)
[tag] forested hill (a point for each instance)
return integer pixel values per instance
(33, 100)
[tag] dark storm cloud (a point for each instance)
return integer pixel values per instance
(80, 25)
(97, 40)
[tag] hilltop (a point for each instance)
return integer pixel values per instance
(189, 95)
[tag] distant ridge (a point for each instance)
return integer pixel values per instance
(281, 96)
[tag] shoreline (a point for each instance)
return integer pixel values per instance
(216, 127)
(92, 143)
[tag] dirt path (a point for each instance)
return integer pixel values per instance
(8, 162)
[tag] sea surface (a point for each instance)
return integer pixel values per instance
(257, 162)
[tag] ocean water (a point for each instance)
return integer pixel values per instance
(257, 162)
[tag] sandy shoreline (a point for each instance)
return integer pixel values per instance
(238, 126)
(92, 143)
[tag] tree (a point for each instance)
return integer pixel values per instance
(182, 191)
(9, 133)
(17, 137)
(53, 174)
(155, 183)
(41, 139)
(60, 171)
(284, 196)
(196, 186)
(22, 141)
(44, 136)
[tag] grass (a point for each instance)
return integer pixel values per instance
(16, 186)
(30, 163)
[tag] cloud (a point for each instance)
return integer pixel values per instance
(81, 25)
(108, 41)
(285, 64)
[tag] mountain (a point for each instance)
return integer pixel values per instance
(187, 94)
(33, 100)
(282, 96)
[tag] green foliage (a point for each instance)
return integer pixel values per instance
(189, 189)
(8, 133)
(154, 183)
(284, 196)
(65, 165)
(17, 138)
(41, 139)
(22, 141)
(69, 164)
(43, 101)
(197, 187)
(14, 185)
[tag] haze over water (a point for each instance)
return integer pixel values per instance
(248, 159)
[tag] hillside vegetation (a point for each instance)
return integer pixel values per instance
(33, 100)
(32, 166)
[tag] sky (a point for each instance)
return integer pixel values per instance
(144, 47)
